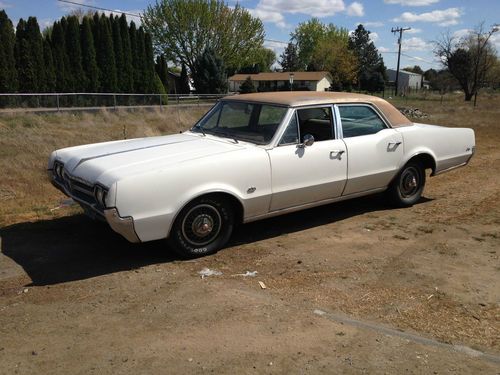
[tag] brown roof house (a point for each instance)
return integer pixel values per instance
(280, 81)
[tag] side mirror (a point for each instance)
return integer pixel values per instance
(307, 140)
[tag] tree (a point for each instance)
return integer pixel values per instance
(334, 57)
(468, 59)
(89, 63)
(370, 63)
(184, 81)
(50, 74)
(290, 59)
(8, 72)
(209, 74)
(183, 29)
(414, 69)
(25, 64)
(261, 61)
(106, 57)
(247, 86)
(118, 50)
(74, 52)
(162, 70)
(149, 64)
(308, 36)
(127, 74)
(60, 58)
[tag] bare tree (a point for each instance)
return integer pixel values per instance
(468, 59)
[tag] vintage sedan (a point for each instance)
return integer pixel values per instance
(254, 156)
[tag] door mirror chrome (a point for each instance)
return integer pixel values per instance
(307, 141)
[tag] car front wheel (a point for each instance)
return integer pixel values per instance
(202, 227)
(407, 187)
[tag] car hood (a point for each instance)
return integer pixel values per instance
(107, 162)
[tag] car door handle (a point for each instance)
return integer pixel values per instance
(336, 154)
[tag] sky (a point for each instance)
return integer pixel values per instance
(428, 19)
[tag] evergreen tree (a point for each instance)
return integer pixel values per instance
(61, 62)
(210, 75)
(35, 42)
(74, 52)
(127, 74)
(25, 65)
(162, 70)
(247, 86)
(8, 71)
(106, 57)
(136, 73)
(89, 63)
(118, 49)
(369, 60)
(290, 59)
(140, 62)
(149, 63)
(184, 81)
(50, 74)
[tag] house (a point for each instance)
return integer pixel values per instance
(407, 80)
(279, 81)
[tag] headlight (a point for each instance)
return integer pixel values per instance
(100, 195)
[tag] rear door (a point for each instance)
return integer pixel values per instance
(374, 149)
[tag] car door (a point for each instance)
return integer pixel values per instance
(373, 148)
(301, 173)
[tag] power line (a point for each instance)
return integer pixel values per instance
(99, 8)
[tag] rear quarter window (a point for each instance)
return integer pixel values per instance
(358, 120)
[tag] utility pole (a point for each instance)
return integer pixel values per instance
(400, 31)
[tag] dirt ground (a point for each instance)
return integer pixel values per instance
(352, 287)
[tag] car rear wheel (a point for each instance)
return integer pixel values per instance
(202, 227)
(407, 187)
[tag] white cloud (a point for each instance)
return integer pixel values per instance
(371, 24)
(373, 36)
(411, 3)
(415, 44)
(4, 5)
(459, 34)
(383, 49)
(413, 30)
(444, 17)
(355, 9)
(314, 8)
(270, 16)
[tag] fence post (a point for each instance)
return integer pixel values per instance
(198, 100)
(57, 100)
(160, 101)
(114, 101)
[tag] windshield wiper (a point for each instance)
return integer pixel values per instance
(198, 126)
(224, 134)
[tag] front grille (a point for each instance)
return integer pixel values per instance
(81, 191)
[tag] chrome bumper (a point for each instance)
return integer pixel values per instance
(121, 225)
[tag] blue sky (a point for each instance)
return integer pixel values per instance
(427, 18)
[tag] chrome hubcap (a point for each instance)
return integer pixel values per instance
(201, 225)
(409, 182)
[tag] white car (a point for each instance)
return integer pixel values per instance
(254, 156)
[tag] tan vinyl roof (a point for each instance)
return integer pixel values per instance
(302, 98)
(281, 76)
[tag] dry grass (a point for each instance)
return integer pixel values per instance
(26, 140)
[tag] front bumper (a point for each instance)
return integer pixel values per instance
(121, 225)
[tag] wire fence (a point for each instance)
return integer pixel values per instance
(74, 100)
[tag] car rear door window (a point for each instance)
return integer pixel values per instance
(359, 120)
(316, 122)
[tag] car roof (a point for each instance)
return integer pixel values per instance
(303, 98)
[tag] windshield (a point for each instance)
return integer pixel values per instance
(251, 122)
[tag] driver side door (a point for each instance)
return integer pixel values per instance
(303, 174)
